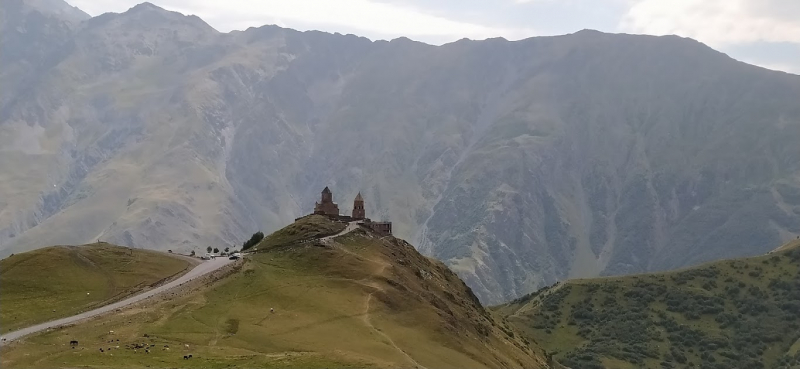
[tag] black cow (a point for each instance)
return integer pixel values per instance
(73, 343)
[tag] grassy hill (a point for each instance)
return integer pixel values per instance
(59, 281)
(358, 300)
(741, 313)
(307, 228)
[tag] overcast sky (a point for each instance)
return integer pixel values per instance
(762, 32)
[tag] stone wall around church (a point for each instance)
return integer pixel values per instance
(382, 228)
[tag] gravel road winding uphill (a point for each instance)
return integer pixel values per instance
(198, 271)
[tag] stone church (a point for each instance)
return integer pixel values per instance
(327, 207)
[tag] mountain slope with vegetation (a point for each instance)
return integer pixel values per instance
(358, 300)
(742, 313)
(60, 281)
(516, 163)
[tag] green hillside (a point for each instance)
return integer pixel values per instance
(59, 281)
(356, 301)
(310, 227)
(741, 313)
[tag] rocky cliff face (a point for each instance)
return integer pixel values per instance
(517, 163)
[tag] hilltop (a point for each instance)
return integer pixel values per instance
(60, 281)
(742, 313)
(302, 299)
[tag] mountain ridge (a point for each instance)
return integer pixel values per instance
(517, 163)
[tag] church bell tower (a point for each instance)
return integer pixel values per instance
(358, 207)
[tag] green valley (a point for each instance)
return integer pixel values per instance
(742, 313)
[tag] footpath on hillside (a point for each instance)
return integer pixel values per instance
(329, 240)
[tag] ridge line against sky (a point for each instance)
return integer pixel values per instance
(760, 32)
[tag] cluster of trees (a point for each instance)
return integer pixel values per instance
(549, 315)
(254, 240)
(216, 250)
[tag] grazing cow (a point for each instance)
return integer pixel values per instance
(101, 350)
(185, 357)
(190, 356)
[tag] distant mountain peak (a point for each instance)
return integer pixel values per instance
(153, 15)
(58, 8)
(146, 6)
(405, 40)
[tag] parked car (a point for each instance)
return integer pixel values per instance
(233, 257)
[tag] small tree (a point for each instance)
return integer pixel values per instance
(254, 240)
(227, 249)
(208, 249)
(216, 250)
(192, 254)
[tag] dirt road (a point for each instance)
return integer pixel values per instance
(198, 271)
(352, 226)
